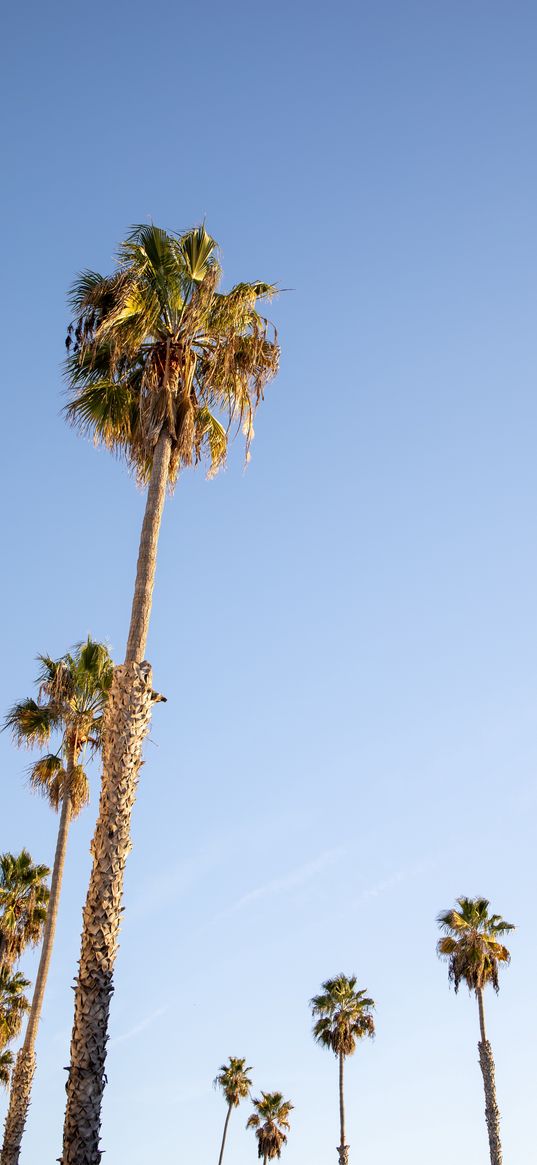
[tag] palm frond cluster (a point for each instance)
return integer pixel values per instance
(24, 897)
(157, 348)
(69, 707)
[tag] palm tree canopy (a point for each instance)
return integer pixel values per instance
(270, 1118)
(155, 346)
(234, 1081)
(342, 1015)
(13, 1004)
(471, 943)
(24, 895)
(72, 694)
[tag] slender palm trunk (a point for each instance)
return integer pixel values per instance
(126, 723)
(492, 1112)
(225, 1134)
(23, 1072)
(343, 1149)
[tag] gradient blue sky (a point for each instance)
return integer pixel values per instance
(346, 633)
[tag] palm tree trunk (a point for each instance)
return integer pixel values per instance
(126, 723)
(343, 1149)
(23, 1072)
(492, 1112)
(225, 1135)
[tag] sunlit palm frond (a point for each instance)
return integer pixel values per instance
(471, 943)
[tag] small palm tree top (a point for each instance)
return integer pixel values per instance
(234, 1081)
(270, 1118)
(155, 346)
(72, 694)
(342, 1015)
(24, 895)
(471, 943)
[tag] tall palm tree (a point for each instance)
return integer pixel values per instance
(269, 1120)
(160, 366)
(13, 1004)
(235, 1083)
(23, 905)
(342, 1017)
(472, 947)
(71, 698)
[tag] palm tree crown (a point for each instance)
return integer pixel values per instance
(71, 698)
(472, 943)
(269, 1120)
(23, 905)
(234, 1081)
(343, 1015)
(13, 1004)
(156, 348)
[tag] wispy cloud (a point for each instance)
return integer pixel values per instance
(294, 878)
(139, 1027)
(389, 883)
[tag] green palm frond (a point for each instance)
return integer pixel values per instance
(342, 1015)
(73, 691)
(30, 723)
(471, 943)
(234, 1081)
(23, 904)
(6, 1064)
(155, 346)
(269, 1118)
(13, 1004)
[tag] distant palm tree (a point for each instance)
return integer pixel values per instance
(161, 368)
(72, 695)
(270, 1118)
(235, 1083)
(13, 1004)
(6, 1064)
(23, 905)
(474, 953)
(342, 1017)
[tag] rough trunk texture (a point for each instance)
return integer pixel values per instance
(19, 1103)
(21, 1082)
(147, 554)
(492, 1112)
(343, 1149)
(126, 724)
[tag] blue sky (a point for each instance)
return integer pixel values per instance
(345, 632)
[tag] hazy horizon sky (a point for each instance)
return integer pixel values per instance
(346, 631)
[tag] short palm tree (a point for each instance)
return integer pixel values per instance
(24, 896)
(13, 1004)
(270, 1119)
(472, 947)
(235, 1083)
(161, 365)
(343, 1016)
(69, 708)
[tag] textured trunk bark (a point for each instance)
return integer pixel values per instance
(126, 723)
(23, 1073)
(492, 1112)
(343, 1149)
(225, 1135)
